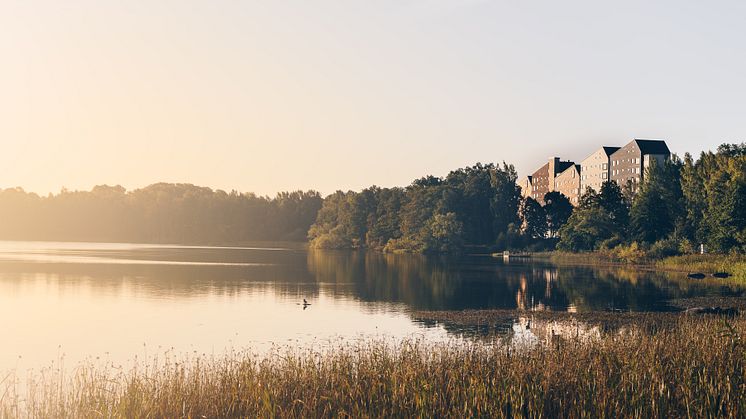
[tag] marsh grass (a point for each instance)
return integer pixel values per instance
(694, 369)
(733, 264)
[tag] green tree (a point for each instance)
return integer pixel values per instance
(612, 200)
(443, 234)
(589, 198)
(558, 210)
(534, 219)
(657, 210)
(586, 229)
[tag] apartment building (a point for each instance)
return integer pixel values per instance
(568, 183)
(595, 168)
(619, 164)
(628, 164)
(542, 181)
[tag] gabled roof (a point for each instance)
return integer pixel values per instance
(573, 166)
(563, 165)
(652, 146)
(610, 150)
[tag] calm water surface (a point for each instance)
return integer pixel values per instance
(75, 301)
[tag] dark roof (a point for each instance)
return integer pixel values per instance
(563, 165)
(652, 146)
(610, 150)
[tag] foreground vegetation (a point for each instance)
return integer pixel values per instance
(695, 368)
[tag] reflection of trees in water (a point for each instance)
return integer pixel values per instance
(438, 283)
(600, 288)
(285, 277)
(427, 282)
(420, 282)
(412, 279)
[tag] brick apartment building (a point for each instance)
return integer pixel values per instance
(542, 180)
(619, 164)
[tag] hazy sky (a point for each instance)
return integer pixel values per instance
(275, 95)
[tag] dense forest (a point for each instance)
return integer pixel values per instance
(680, 205)
(159, 213)
(471, 206)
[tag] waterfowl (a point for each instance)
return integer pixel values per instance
(721, 274)
(696, 275)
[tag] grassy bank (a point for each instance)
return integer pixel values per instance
(733, 264)
(627, 373)
(707, 263)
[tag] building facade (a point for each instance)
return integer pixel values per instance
(620, 164)
(628, 164)
(568, 183)
(526, 185)
(542, 180)
(594, 169)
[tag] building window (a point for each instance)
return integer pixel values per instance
(603, 175)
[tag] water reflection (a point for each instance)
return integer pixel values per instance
(432, 283)
(89, 299)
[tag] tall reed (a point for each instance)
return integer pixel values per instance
(695, 369)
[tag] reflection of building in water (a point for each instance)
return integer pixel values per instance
(548, 331)
(525, 295)
(521, 294)
(550, 275)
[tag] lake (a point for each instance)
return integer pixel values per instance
(67, 302)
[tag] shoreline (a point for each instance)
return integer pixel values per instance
(735, 265)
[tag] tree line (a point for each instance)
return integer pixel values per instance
(470, 206)
(679, 205)
(159, 213)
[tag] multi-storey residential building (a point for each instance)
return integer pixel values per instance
(568, 183)
(542, 180)
(595, 168)
(628, 164)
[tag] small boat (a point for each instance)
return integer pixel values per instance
(721, 275)
(696, 275)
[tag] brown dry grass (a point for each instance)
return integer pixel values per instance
(696, 368)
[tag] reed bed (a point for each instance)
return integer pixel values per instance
(694, 369)
(734, 264)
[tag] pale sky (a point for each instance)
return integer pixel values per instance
(275, 95)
